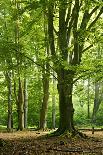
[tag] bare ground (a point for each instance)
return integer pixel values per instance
(34, 143)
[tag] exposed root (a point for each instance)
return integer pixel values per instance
(66, 133)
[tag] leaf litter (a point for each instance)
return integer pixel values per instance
(36, 143)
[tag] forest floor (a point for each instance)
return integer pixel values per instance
(35, 143)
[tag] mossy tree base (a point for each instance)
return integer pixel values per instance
(67, 133)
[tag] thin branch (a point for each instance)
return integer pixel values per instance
(95, 20)
(51, 28)
(56, 32)
(68, 14)
(88, 72)
(81, 4)
(70, 24)
(85, 20)
(72, 18)
(30, 6)
(36, 63)
(77, 79)
(75, 23)
(87, 48)
(94, 10)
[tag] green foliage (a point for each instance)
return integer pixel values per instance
(99, 120)
(24, 55)
(80, 116)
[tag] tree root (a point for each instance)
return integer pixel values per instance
(67, 133)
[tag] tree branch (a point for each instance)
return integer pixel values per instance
(56, 32)
(68, 14)
(95, 20)
(93, 11)
(70, 24)
(36, 63)
(85, 20)
(30, 6)
(51, 28)
(75, 35)
(87, 48)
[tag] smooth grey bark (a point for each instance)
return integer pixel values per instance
(20, 96)
(20, 106)
(88, 98)
(98, 91)
(45, 81)
(97, 101)
(10, 115)
(43, 111)
(54, 103)
(25, 104)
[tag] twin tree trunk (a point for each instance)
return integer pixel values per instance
(65, 77)
(22, 104)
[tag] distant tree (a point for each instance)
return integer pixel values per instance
(8, 77)
(45, 80)
(25, 103)
(54, 102)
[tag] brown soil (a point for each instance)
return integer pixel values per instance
(34, 143)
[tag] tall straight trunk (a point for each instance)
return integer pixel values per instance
(97, 101)
(8, 77)
(88, 98)
(19, 97)
(10, 117)
(53, 103)
(98, 92)
(43, 112)
(45, 80)
(20, 106)
(25, 103)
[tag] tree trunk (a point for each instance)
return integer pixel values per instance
(10, 117)
(43, 111)
(98, 98)
(88, 98)
(65, 103)
(25, 103)
(53, 103)
(68, 30)
(20, 107)
(97, 101)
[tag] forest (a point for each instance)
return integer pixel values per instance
(51, 77)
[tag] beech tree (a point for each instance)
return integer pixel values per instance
(45, 81)
(69, 24)
(67, 44)
(25, 103)
(8, 78)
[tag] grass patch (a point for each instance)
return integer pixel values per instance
(2, 127)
